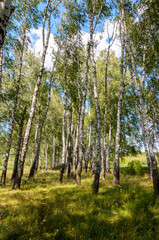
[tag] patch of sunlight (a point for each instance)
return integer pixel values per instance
(126, 213)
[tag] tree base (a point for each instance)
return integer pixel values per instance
(96, 184)
(3, 177)
(61, 173)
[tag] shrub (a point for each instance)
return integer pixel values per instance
(135, 168)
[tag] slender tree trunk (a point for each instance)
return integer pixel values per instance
(1, 61)
(109, 148)
(75, 152)
(34, 167)
(18, 146)
(53, 154)
(40, 162)
(116, 179)
(36, 139)
(9, 142)
(105, 115)
(144, 120)
(63, 162)
(98, 113)
(69, 157)
(81, 121)
(89, 145)
(144, 139)
(17, 181)
(67, 140)
(94, 159)
(46, 155)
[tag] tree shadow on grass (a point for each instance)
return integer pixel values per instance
(121, 212)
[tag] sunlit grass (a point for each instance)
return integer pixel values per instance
(140, 157)
(45, 209)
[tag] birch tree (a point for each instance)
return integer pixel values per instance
(143, 117)
(17, 181)
(116, 179)
(9, 142)
(6, 10)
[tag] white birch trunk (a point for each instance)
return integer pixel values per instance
(109, 148)
(98, 114)
(116, 179)
(5, 12)
(46, 155)
(9, 142)
(81, 117)
(53, 154)
(17, 181)
(144, 117)
(70, 143)
(18, 146)
(1, 61)
(75, 152)
(88, 152)
(63, 162)
(34, 166)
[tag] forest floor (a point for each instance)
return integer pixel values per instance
(45, 209)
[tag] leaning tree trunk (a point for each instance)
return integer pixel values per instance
(18, 146)
(98, 113)
(9, 142)
(17, 181)
(116, 172)
(34, 167)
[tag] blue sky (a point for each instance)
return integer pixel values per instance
(101, 37)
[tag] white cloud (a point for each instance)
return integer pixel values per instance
(37, 45)
(100, 38)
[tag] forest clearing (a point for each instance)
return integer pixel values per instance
(79, 119)
(45, 209)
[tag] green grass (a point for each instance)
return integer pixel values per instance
(140, 157)
(45, 209)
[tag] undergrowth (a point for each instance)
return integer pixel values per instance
(45, 209)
